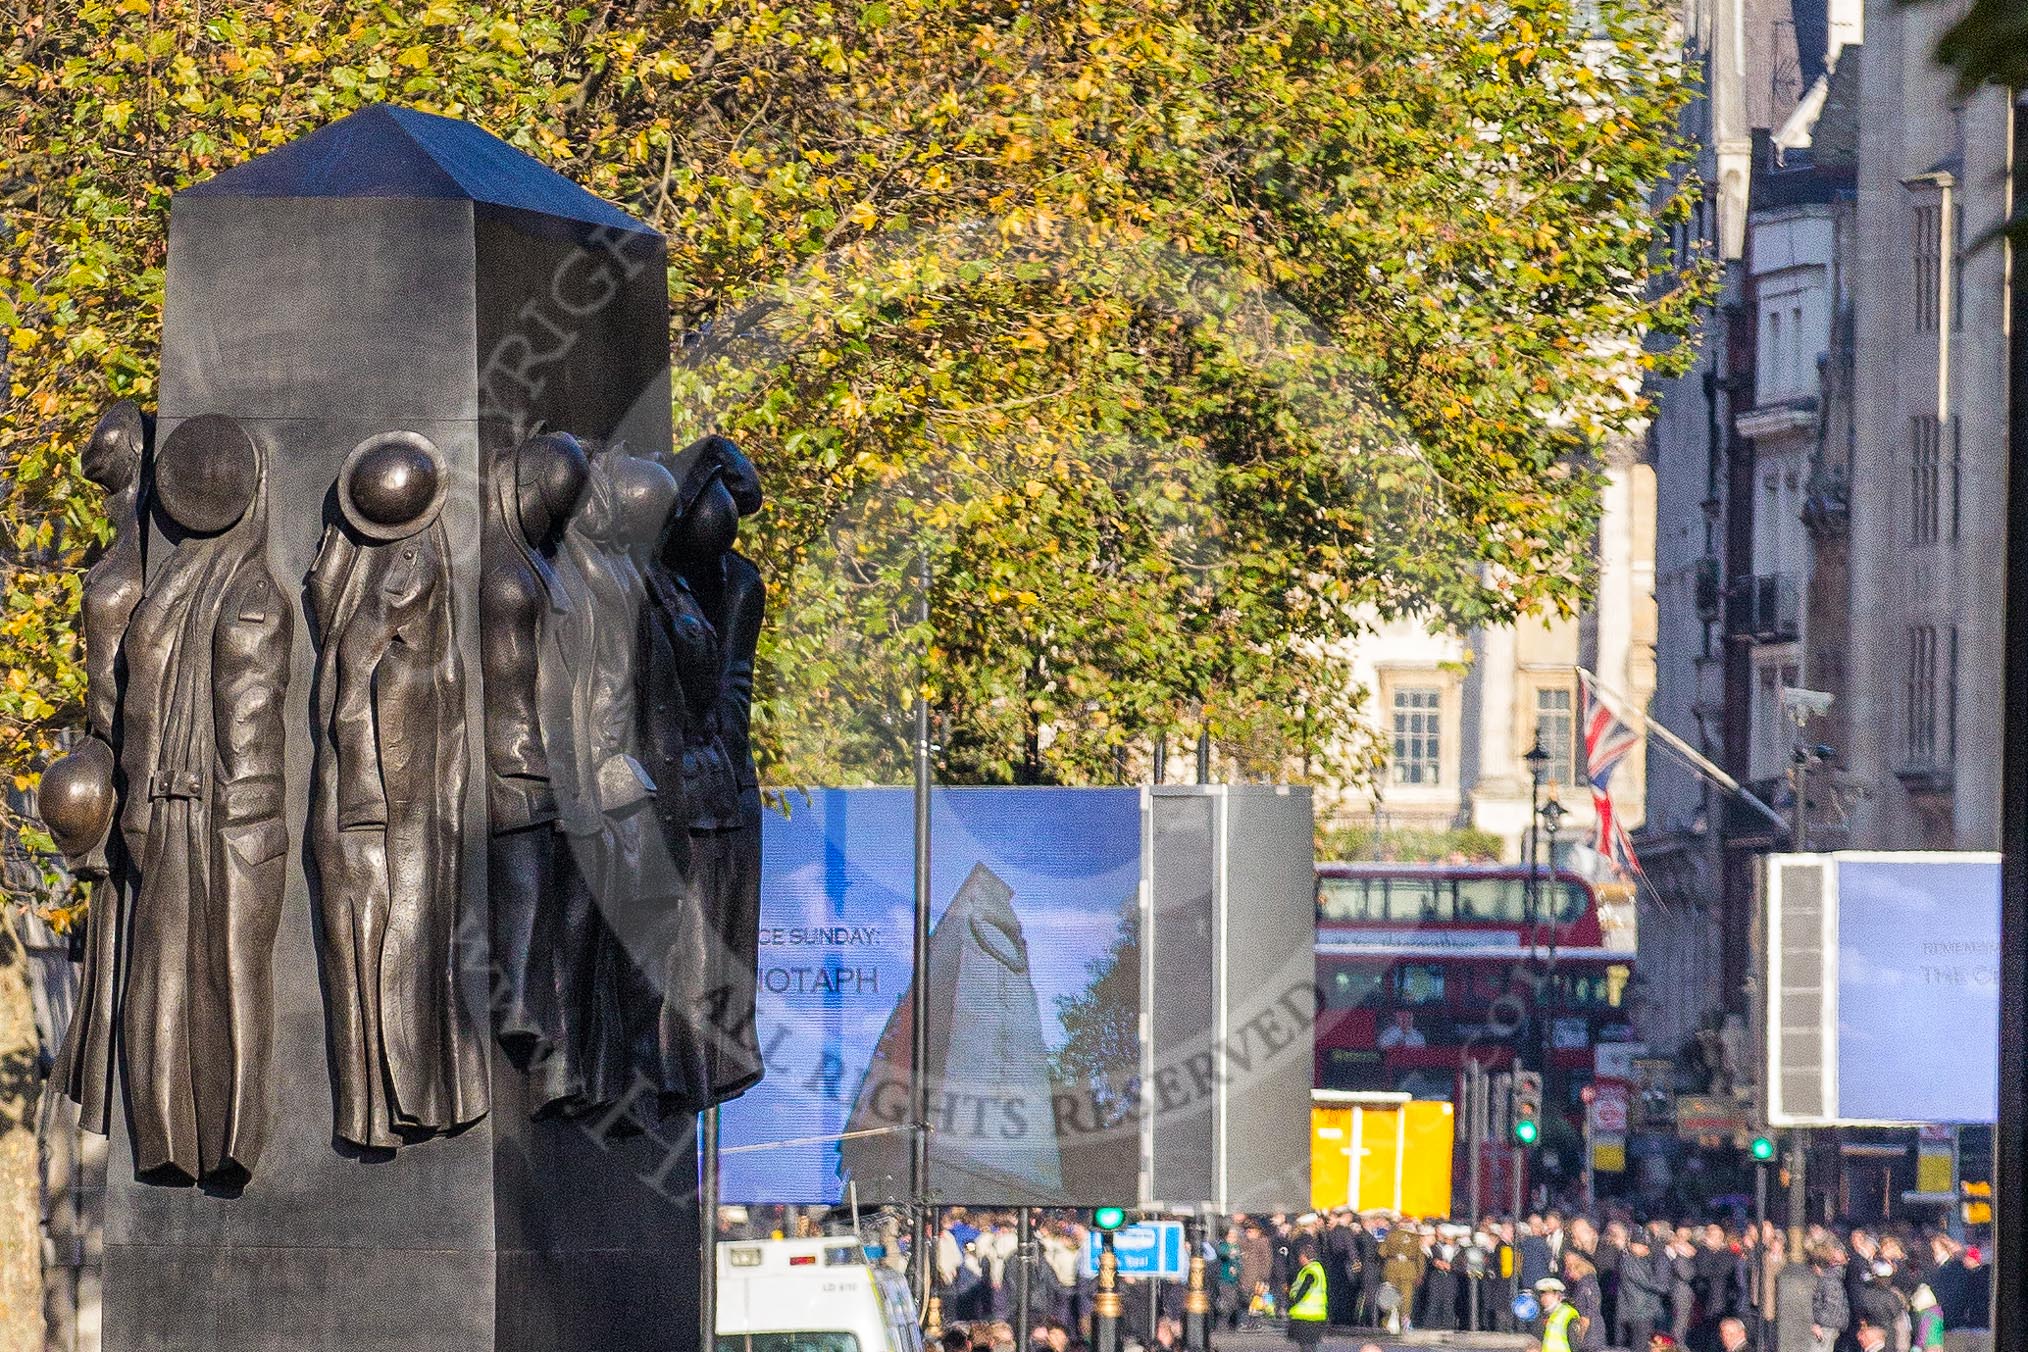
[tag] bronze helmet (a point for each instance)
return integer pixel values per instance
(392, 485)
(77, 799)
(206, 473)
(550, 473)
(643, 493)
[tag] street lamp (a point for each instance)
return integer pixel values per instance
(1549, 817)
(1538, 764)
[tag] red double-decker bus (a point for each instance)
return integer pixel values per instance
(1421, 965)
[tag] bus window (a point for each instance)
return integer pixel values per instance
(1493, 901)
(1418, 900)
(1419, 984)
(1344, 899)
(1350, 987)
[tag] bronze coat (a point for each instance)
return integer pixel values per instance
(112, 589)
(386, 812)
(519, 597)
(207, 654)
(608, 933)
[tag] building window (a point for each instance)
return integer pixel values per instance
(1777, 373)
(1418, 745)
(1925, 263)
(1773, 738)
(1925, 463)
(1954, 509)
(1922, 696)
(1556, 733)
(1950, 697)
(1957, 265)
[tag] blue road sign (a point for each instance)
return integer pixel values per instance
(1145, 1248)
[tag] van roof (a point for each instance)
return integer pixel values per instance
(775, 1255)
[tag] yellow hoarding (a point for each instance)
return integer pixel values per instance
(1386, 1154)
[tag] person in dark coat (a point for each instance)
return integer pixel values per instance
(1442, 1288)
(1876, 1301)
(1580, 1276)
(1608, 1254)
(1975, 1294)
(1256, 1263)
(1718, 1275)
(1830, 1308)
(1532, 1251)
(1338, 1254)
(1682, 1259)
(1366, 1260)
(1643, 1293)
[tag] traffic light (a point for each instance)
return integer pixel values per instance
(1762, 1148)
(1527, 1107)
(1106, 1219)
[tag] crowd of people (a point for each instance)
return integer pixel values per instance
(1648, 1286)
(1707, 1287)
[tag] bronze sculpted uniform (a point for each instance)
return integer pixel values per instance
(710, 603)
(586, 687)
(387, 803)
(680, 658)
(112, 588)
(533, 490)
(207, 656)
(625, 816)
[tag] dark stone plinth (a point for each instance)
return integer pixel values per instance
(397, 272)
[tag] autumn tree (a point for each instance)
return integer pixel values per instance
(1180, 338)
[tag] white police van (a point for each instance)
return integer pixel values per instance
(811, 1295)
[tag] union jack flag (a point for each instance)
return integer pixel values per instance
(1607, 741)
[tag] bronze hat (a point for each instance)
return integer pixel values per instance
(392, 485)
(206, 473)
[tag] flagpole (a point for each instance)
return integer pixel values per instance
(1698, 760)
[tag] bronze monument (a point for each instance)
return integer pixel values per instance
(402, 368)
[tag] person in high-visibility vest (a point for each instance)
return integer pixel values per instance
(1557, 1316)
(1309, 1305)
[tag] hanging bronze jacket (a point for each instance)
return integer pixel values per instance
(386, 815)
(207, 656)
(115, 459)
(533, 490)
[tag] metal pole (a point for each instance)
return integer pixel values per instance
(1197, 1300)
(1515, 1156)
(1024, 1260)
(1800, 831)
(1759, 1233)
(1475, 1114)
(707, 1227)
(1106, 1306)
(2010, 1138)
(1204, 756)
(1799, 1198)
(1154, 1305)
(1554, 1097)
(1475, 1107)
(1590, 1176)
(918, 992)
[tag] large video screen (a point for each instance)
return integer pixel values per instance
(1918, 988)
(1034, 1000)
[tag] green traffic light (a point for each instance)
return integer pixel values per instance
(1762, 1148)
(1525, 1131)
(1108, 1218)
